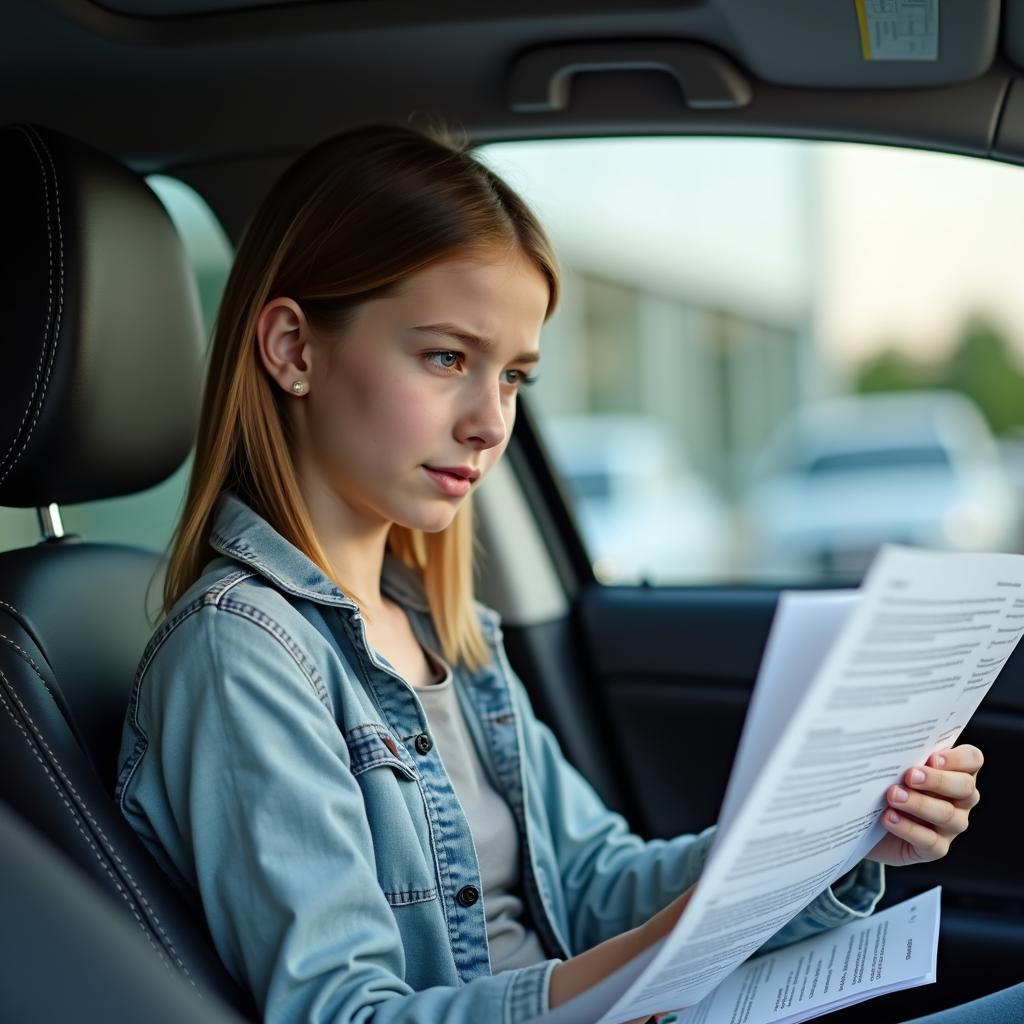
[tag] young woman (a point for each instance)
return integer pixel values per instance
(325, 742)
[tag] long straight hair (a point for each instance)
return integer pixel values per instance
(347, 222)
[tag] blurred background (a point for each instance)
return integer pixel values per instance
(773, 356)
(769, 358)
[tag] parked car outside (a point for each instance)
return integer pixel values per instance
(843, 476)
(643, 514)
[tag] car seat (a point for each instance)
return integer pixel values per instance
(99, 395)
(73, 956)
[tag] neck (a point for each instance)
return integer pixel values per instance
(354, 546)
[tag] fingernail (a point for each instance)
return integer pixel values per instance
(899, 794)
(894, 817)
(940, 761)
(917, 776)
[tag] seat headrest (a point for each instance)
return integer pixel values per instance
(102, 351)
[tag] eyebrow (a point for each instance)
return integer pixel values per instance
(477, 342)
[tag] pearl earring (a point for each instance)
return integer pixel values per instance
(298, 386)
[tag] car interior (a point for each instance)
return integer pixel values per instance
(644, 679)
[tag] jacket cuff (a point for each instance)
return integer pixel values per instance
(854, 895)
(527, 995)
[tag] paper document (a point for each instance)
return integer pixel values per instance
(854, 688)
(889, 951)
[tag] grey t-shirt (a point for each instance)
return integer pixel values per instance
(490, 821)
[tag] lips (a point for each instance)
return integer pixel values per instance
(464, 472)
(453, 481)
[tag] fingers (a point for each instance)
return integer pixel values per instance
(932, 807)
(948, 817)
(956, 785)
(927, 843)
(965, 758)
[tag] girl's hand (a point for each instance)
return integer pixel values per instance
(931, 809)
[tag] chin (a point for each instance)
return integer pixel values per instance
(438, 523)
(433, 521)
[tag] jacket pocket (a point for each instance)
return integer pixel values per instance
(373, 745)
(396, 812)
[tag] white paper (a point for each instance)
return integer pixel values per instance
(852, 692)
(889, 951)
(805, 625)
(901, 679)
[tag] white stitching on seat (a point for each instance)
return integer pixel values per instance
(60, 307)
(24, 654)
(49, 299)
(85, 810)
(75, 817)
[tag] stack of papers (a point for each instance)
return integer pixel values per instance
(855, 687)
(892, 950)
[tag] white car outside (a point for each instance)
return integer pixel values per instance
(642, 513)
(843, 476)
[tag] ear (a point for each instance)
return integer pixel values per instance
(283, 341)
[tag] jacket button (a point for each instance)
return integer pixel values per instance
(423, 743)
(467, 895)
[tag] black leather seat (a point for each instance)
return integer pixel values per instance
(73, 956)
(99, 391)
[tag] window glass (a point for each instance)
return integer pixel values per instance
(772, 356)
(147, 518)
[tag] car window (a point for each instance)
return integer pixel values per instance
(771, 356)
(148, 517)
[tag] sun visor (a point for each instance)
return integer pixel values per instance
(862, 44)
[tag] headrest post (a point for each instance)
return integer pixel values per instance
(50, 522)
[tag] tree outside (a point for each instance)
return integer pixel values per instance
(981, 366)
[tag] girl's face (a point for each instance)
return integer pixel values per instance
(421, 381)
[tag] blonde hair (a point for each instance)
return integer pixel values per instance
(346, 222)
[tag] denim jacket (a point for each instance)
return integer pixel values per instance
(282, 772)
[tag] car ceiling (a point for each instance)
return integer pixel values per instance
(226, 92)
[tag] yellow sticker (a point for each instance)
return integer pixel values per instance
(898, 29)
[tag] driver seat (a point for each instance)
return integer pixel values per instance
(99, 398)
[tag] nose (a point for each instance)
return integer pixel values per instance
(483, 422)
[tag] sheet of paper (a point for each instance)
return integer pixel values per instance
(906, 671)
(889, 951)
(804, 627)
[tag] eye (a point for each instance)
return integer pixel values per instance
(444, 359)
(520, 378)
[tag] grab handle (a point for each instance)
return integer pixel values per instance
(540, 78)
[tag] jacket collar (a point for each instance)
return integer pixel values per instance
(242, 534)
